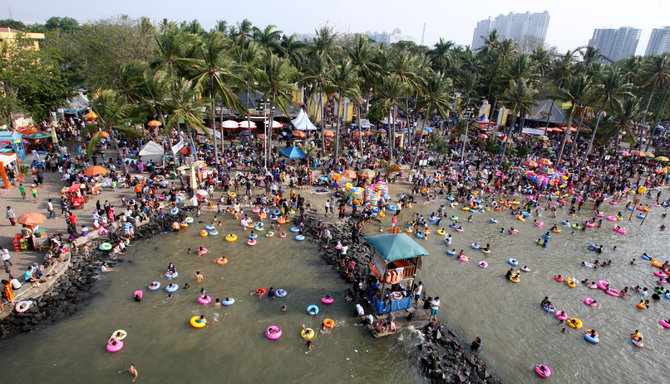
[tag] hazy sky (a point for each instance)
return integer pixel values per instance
(571, 24)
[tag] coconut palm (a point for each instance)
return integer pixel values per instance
(174, 46)
(268, 38)
(519, 96)
(655, 72)
(389, 93)
(441, 56)
(213, 70)
(185, 106)
(113, 113)
(324, 42)
(316, 77)
(292, 49)
(249, 62)
(344, 81)
(277, 83)
(435, 97)
(610, 90)
(574, 91)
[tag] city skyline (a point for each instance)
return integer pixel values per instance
(572, 22)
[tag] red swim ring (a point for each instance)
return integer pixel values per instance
(261, 292)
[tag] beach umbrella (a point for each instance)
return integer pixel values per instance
(545, 162)
(530, 163)
(230, 124)
(202, 192)
(38, 135)
(348, 173)
(154, 123)
(328, 133)
(276, 124)
(624, 153)
(543, 138)
(247, 124)
(27, 130)
(104, 134)
(638, 153)
(91, 116)
(95, 170)
(662, 158)
(366, 173)
(32, 218)
(297, 133)
(483, 136)
(649, 154)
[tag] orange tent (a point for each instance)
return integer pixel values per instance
(298, 133)
(329, 133)
(95, 170)
(91, 115)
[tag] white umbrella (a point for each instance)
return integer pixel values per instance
(247, 124)
(276, 124)
(230, 124)
(202, 192)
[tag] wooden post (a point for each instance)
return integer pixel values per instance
(635, 203)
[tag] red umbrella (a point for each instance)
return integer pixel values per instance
(154, 123)
(545, 162)
(366, 173)
(530, 163)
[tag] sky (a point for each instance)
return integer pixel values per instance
(571, 24)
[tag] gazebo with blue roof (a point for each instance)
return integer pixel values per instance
(396, 261)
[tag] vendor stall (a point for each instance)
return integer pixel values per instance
(8, 163)
(74, 195)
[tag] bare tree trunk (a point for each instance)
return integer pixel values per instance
(418, 144)
(574, 142)
(565, 137)
(658, 115)
(337, 132)
(360, 130)
(595, 129)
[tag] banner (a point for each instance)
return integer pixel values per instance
(178, 146)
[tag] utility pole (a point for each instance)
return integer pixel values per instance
(423, 33)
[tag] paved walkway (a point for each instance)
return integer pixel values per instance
(49, 190)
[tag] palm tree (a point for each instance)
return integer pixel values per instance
(268, 38)
(441, 56)
(389, 93)
(316, 77)
(520, 96)
(343, 80)
(627, 114)
(611, 88)
(542, 60)
(435, 97)
(250, 61)
(324, 42)
(574, 91)
(277, 83)
(185, 106)
(174, 44)
(113, 112)
(655, 73)
(292, 49)
(213, 70)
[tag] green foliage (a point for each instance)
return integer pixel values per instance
(30, 80)
(13, 24)
(491, 146)
(93, 54)
(66, 24)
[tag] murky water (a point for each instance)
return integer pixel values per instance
(233, 347)
(517, 333)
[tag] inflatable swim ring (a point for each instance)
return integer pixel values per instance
(313, 310)
(280, 293)
(171, 288)
(483, 264)
(269, 234)
(231, 237)
(260, 292)
(221, 261)
(228, 301)
(542, 370)
(195, 324)
(273, 332)
(154, 286)
(327, 300)
(23, 306)
(330, 323)
(115, 345)
(251, 242)
(574, 323)
(590, 302)
(214, 232)
(204, 300)
(300, 237)
(513, 261)
(307, 333)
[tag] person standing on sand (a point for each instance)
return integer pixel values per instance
(132, 371)
(35, 192)
(434, 309)
(22, 190)
(11, 216)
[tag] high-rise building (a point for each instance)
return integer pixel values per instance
(616, 44)
(659, 42)
(527, 29)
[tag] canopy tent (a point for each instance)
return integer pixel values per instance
(76, 105)
(302, 122)
(14, 139)
(276, 124)
(396, 247)
(247, 124)
(152, 152)
(8, 161)
(365, 124)
(293, 152)
(540, 111)
(386, 122)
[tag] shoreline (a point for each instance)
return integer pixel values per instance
(73, 287)
(442, 357)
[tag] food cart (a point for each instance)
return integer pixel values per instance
(74, 195)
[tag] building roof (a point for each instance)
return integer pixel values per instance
(396, 247)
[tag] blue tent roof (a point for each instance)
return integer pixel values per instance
(293, 152)
(396, 247)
